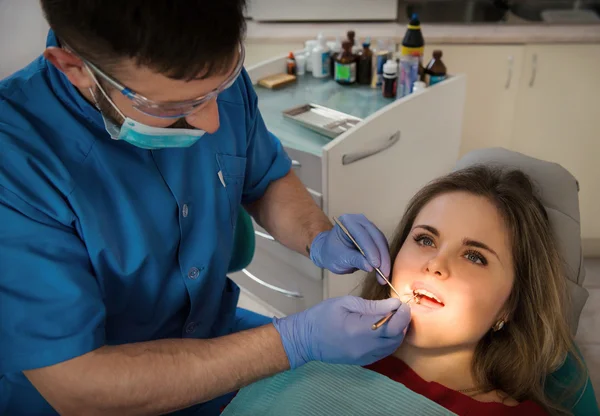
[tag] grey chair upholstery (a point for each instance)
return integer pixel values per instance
(558, 191)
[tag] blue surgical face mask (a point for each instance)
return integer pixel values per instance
(147, 137)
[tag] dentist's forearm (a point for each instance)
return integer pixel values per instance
(157, 377)
(289, 214)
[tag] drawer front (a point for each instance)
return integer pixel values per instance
(300, 263)
(308, 168)
(281, 286)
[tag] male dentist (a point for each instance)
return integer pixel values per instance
(126, 151)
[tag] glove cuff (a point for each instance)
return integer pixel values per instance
(315, 249)
(294, 356)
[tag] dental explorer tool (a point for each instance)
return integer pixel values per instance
(386, 318)
(345, 230)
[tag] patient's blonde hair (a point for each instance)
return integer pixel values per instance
(536, 338)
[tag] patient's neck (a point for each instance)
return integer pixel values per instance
(449, 367)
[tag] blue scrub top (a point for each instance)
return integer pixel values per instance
(103, 243)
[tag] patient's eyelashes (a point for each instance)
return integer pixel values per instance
(424, 240)
(474, 256)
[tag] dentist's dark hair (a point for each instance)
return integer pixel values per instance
(536, 339)
(180, 39)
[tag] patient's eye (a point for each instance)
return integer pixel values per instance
(475, 257)
(424, 240)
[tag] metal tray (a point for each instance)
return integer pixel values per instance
(323, 120)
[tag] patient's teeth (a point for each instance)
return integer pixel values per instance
(426, 293)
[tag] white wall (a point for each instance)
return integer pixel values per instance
(23, 32)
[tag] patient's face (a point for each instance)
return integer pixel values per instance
(459, 251)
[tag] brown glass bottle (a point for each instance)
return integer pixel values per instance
(435, 70)
(351, 37)
(345, 65)
(365, 64)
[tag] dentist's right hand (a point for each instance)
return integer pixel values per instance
(338, 331)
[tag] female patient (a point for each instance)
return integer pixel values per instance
(476, 253)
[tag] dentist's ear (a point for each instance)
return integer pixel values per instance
(70, 65)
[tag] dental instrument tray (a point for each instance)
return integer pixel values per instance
(323, 120)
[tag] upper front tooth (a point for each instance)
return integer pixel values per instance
(427, 293)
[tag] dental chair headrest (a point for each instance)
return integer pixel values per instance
(558, 191)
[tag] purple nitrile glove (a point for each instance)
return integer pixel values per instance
(334, 251)
(338, 331)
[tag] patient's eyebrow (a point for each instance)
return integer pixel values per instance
(429, 228)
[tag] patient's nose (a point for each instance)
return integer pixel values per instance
(437, 266)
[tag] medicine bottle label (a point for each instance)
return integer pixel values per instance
(434, 79)
(345, 72)
(325, 63)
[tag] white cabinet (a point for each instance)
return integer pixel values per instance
(557, 118)
(373, 168)
(493, 77)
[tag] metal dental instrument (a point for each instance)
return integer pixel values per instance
(386, 318)
(345, 230)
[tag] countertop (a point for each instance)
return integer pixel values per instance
(499, 33)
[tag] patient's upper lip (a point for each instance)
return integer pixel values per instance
(417, 284)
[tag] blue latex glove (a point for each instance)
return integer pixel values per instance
(338, 331)
(334, 251)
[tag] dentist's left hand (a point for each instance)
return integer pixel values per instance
(334, 251)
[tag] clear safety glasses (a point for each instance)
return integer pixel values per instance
(178, 109)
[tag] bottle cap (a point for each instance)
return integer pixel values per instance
(291, 55)
(390, 66)
(414, 20)
(437, 54)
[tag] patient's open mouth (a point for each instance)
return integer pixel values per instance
(428, 299)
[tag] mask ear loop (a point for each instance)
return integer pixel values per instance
(103, 93)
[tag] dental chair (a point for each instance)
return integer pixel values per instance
(558, 191)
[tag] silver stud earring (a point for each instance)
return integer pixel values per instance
(498, 325)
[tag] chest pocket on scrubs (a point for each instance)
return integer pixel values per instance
(232, 174)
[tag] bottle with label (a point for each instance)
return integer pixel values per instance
(413, 43)
(320, 58)
(390, 78)
(409, 74)
(365, 64)
(382, 54)
(291, 64)
(336, 49)
(345, 65)
(435, 70)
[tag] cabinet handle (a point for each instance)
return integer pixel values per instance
(296, 164)
(533, 69)
(510, 72)
(284, 292)
(355, 157)
(264, 235)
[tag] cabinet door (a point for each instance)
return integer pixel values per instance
(557, 118)
(493, 73)
(378, 166)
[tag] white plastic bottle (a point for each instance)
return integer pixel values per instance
(320, 58)
(309, 45)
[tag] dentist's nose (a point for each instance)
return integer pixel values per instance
(207, 118)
